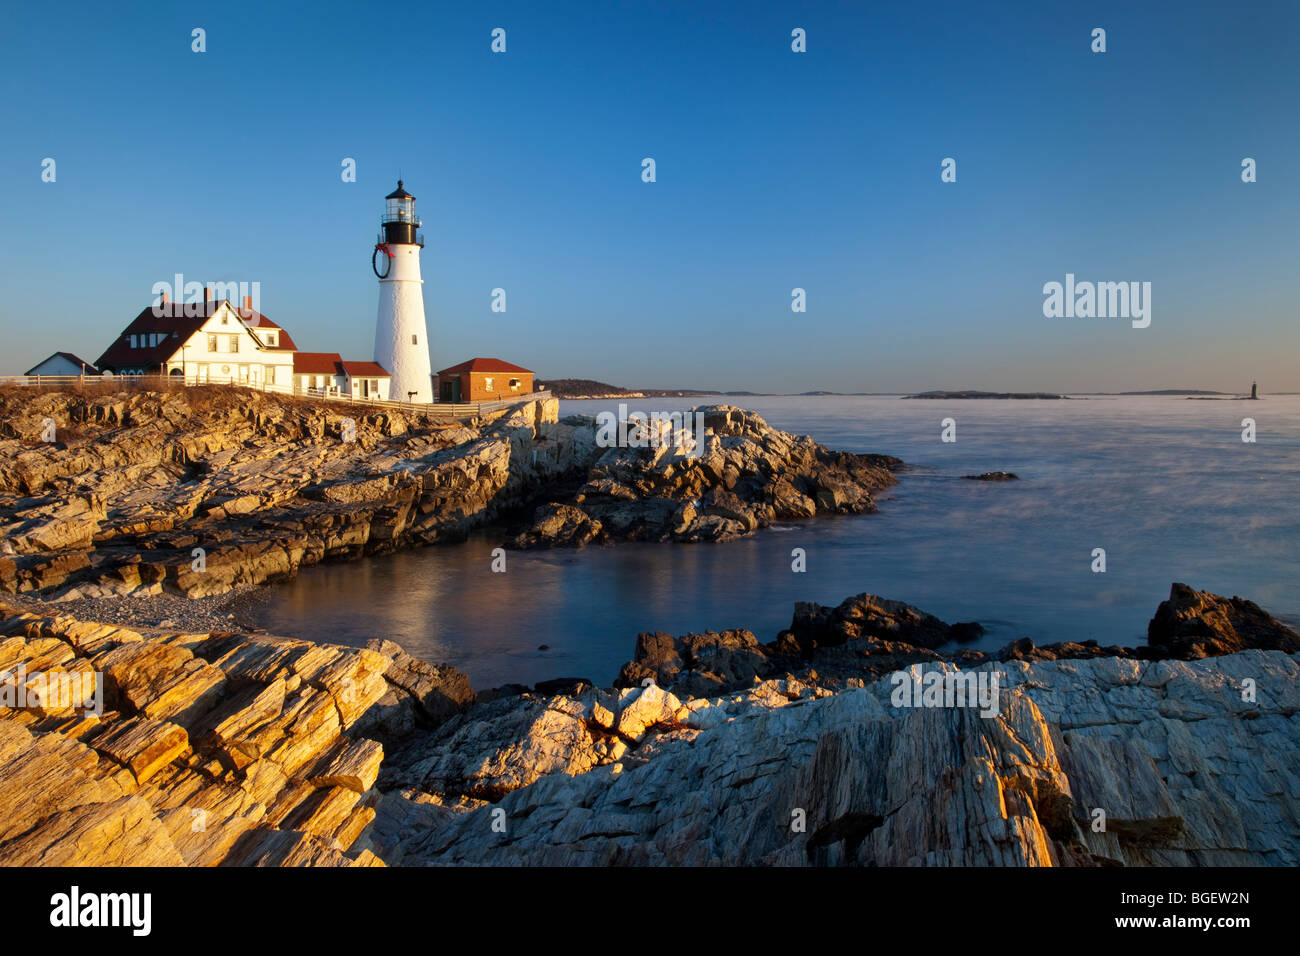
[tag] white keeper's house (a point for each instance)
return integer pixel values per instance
(226, 345)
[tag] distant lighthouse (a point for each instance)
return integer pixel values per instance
(401, 339)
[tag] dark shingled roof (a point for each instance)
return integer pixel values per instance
(178, 327)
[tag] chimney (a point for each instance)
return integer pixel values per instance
(248, 305)
(207, 293)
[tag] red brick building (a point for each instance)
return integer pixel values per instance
(482, 380)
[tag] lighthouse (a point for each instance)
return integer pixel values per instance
(401, 339)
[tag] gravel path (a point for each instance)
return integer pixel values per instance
(222, 612)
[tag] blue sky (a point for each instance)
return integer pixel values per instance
(775, 170)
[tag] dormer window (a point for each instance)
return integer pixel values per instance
(271, 340)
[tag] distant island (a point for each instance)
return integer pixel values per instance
(585, 388)
(971, 393)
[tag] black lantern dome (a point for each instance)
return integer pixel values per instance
(399, 223)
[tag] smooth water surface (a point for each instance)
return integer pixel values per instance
(1164, 484)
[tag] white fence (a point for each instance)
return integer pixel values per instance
(457, 410)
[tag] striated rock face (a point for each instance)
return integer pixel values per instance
(199, 491)
(748, 476)
(1194, 624)
(211, 749)
(1185, 771)
(225, 749)
(262, 484)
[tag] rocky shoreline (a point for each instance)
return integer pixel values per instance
(203, 491)
(224, 748)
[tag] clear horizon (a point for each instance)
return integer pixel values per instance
(775, 170)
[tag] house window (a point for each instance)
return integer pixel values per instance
(487, 383)
(212, 343)
(514, 383)
(270, 340)
(131, 340)
(234, 343)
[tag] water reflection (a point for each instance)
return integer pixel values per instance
(1165, 485)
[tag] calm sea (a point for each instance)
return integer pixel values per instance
(1164, 484)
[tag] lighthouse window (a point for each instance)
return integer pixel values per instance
(414, 340)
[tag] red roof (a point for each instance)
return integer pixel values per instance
(178, 327)
(484, 365)
(365, 370)
(258, 321)
(317, 363)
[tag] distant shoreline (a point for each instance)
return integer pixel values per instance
(588, 390)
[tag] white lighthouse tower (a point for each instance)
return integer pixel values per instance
(401, 339)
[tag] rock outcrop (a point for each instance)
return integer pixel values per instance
(199, 490)
(864, 636)
(228, 749)
(203, 490)
(1085, 763)
(1090, 756)
(207, 749)
(747, 476)
(1194, 624)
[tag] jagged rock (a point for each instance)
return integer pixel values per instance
(994, 476)
(266, 755)
(142, 745)
(559, 525)
(642, 708)
(436, 692)
(1191, 762)
(495, 748)
(353, 764)
(1187, 772)
(123, 832)
(747, 476)
(1194, 624)
(257, 481)
(866, 615)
